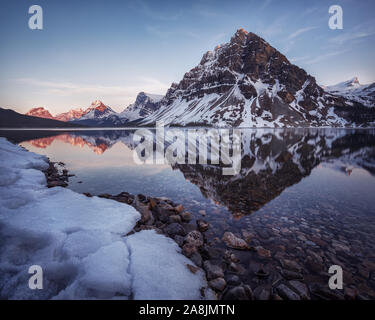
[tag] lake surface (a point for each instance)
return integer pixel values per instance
(306, 195)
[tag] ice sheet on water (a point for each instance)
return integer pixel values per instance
(79, 242)
(150, 253)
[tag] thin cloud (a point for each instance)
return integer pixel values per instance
(322, 57)
(274, 28)
(299, 32)
(165, 34)
(309, 11)
(146, 10)
(126, 94)
(361, 31)
(343, 38)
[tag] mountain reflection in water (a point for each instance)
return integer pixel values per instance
(272, 160)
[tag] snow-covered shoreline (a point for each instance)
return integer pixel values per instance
(80, 242)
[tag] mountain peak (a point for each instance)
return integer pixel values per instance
(355, 80)
(39, 112)
(241, 33)
(98, 105)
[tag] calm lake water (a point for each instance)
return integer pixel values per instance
(306, 195)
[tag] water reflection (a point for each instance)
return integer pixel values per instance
(272, 160)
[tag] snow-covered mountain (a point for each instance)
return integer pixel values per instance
(248, 83)
(96, 114)
(71, 115)
(244, 83)
(98, 110)
(144, 105)
(353, 90)
(40, 112)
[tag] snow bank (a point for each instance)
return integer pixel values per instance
(79, 242)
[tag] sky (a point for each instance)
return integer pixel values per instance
(113, 49)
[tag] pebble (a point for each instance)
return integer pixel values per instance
(287, 293)
(213, 271)
(217, 284)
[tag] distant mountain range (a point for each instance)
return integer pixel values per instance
(12, 119)
(353, 90)
(99, 114)
(243, 83)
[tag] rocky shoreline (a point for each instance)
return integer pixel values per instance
(222, 266)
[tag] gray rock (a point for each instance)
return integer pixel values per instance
(248, 291)
(143, 209)
(233, 280)
(186, 216)
(238, 293)
(300, 288)
(175, 229)
(175, 218)
(202, 225)
(291, 275)
(234, 242)
(323, 292)
(290, 265)
(197, 259)
(188, 249)
(179, 240)
(217, 284)
(262, 293)
(213, 271)
(163, 211)
(287, 293)
(195, 238)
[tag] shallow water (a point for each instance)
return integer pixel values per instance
(305, 195)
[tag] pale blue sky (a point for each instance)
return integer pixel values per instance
(110, 50)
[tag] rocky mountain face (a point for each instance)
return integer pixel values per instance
(40, 112)
(248, 83)
(144, 105)
(71, 115)
(355, 91)
(99, 114)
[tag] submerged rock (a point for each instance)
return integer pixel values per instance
(186, 216)
(234, 242)
(194, 238)
(262, 293)
(175, 229)
(202, 225)
(300, 288)
(287, 293)
(217, 284)
(239, 293)
(213, 271)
